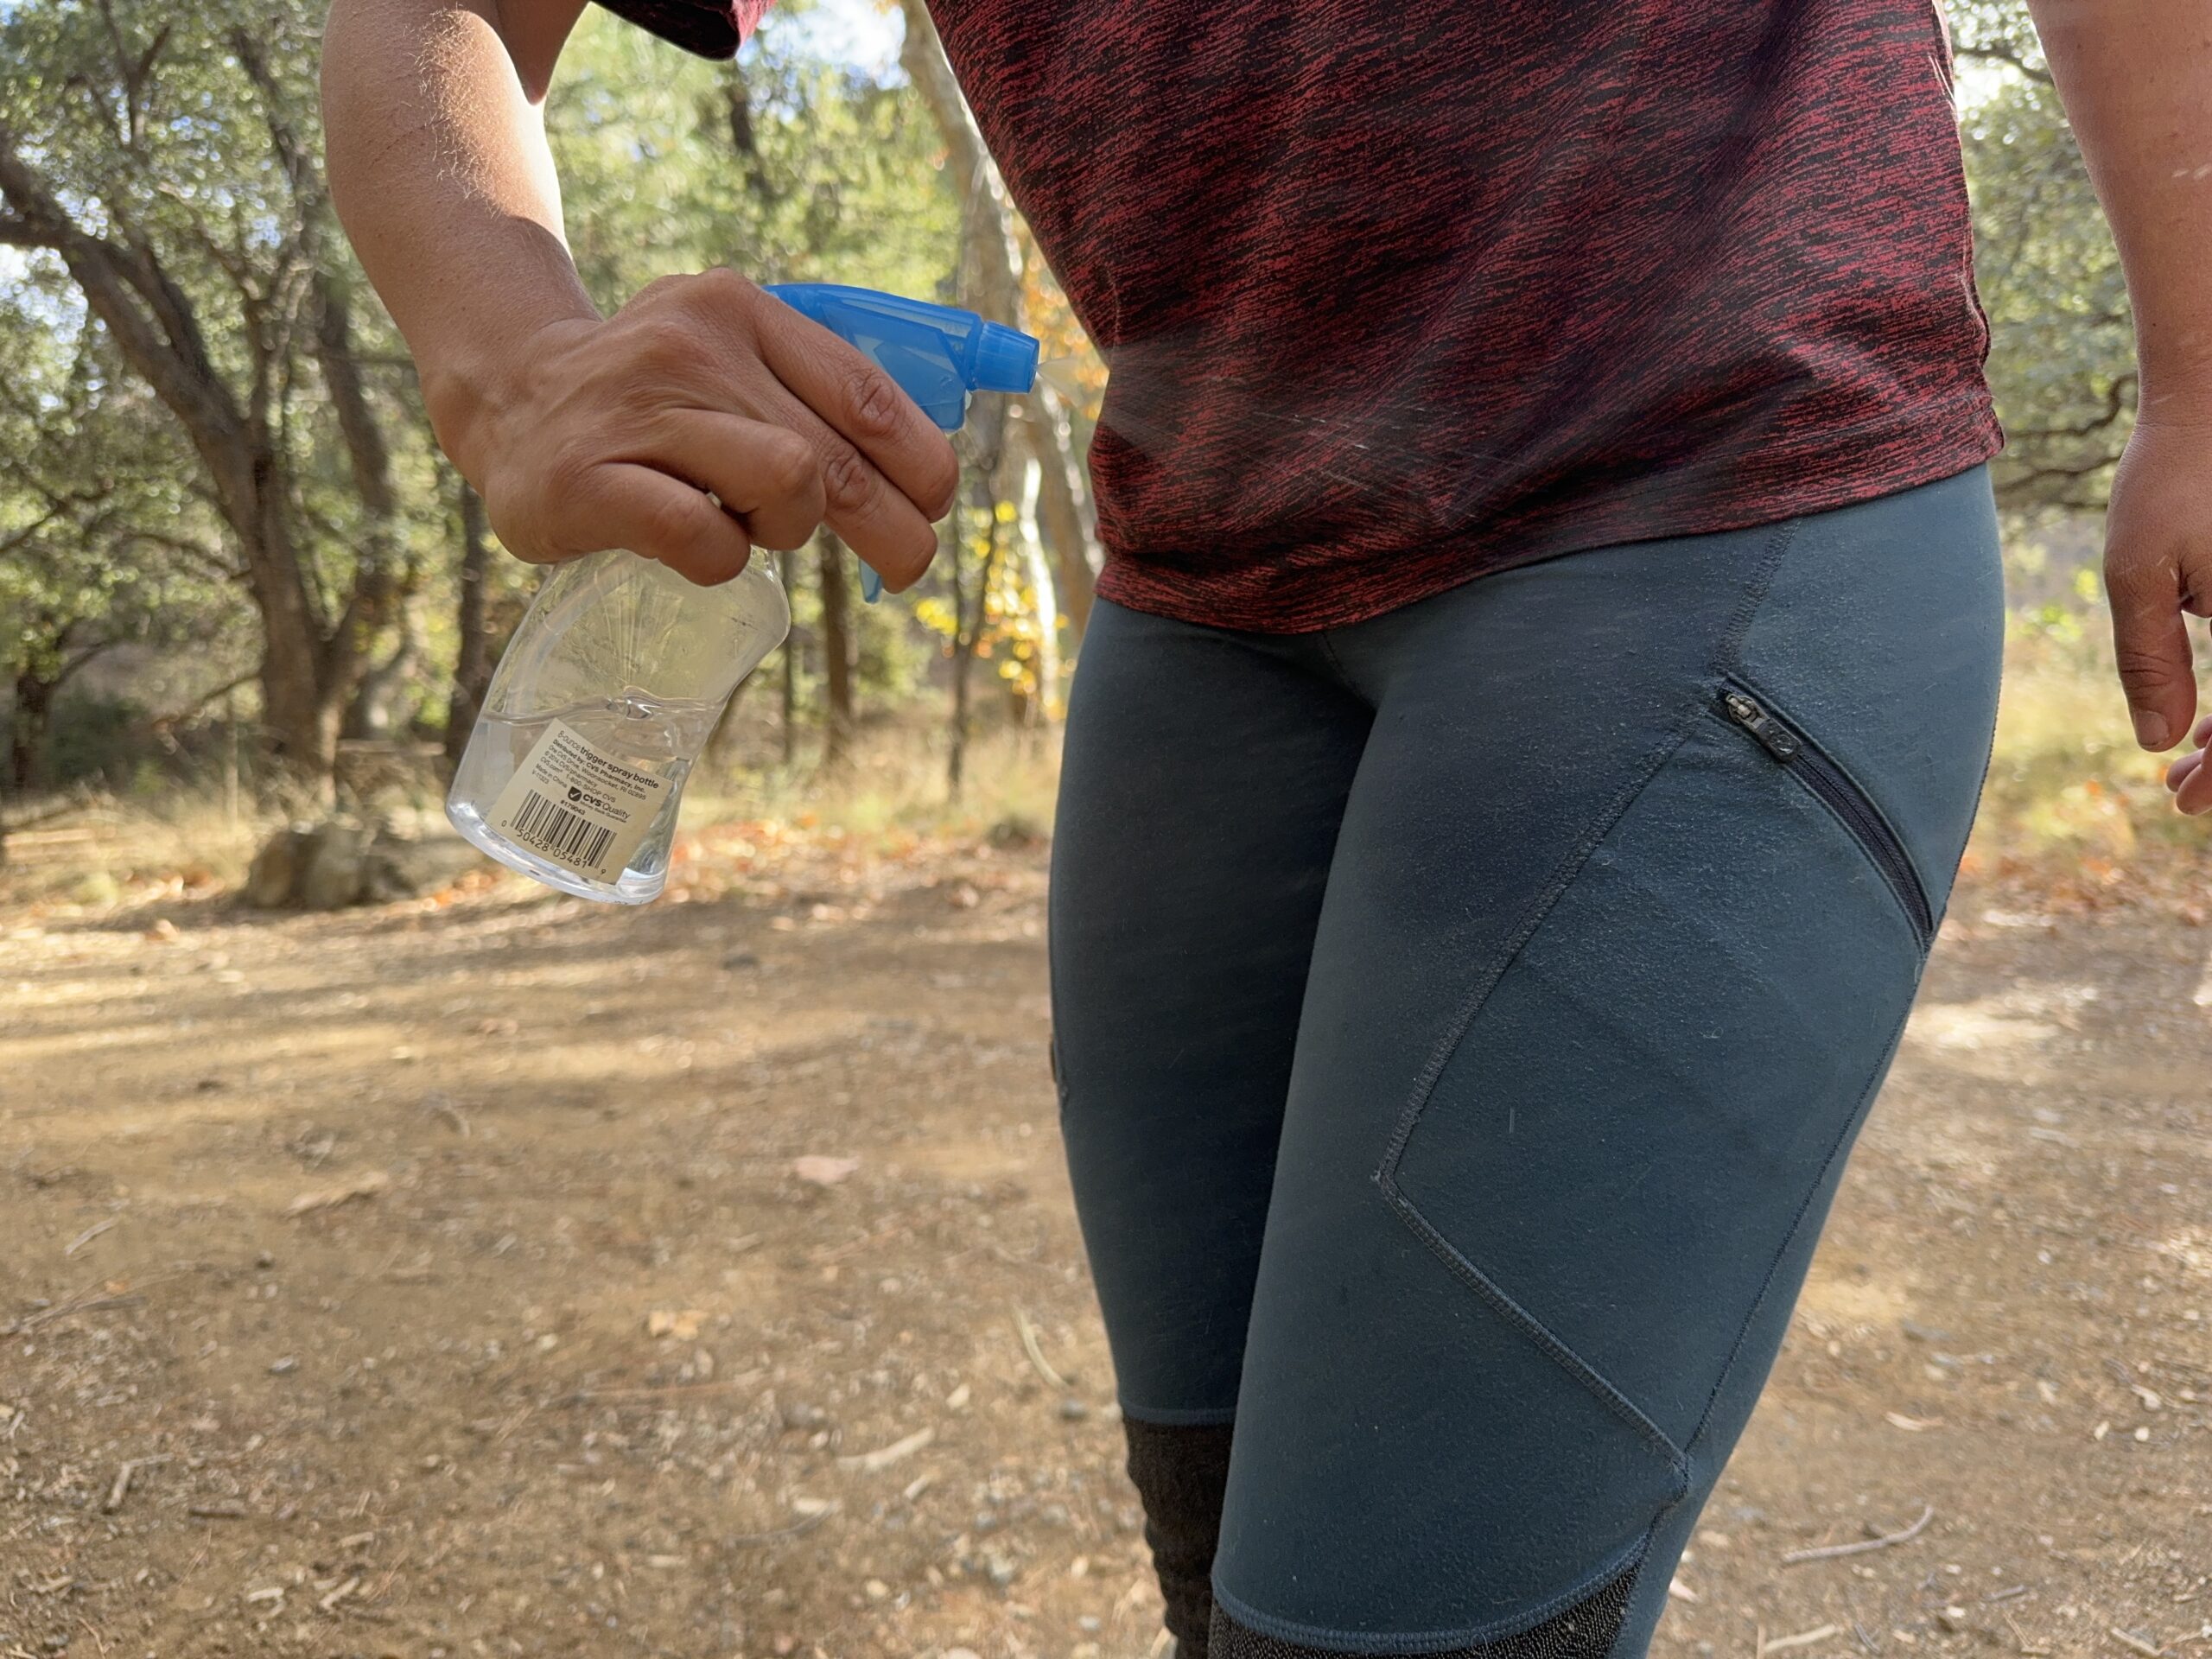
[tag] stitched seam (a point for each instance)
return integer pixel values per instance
(1867, 1088)
(1570, 869)
(1386, 1176)
(1583, 1372)
(1337, 664)
(1728, 656)
(1731, 665)
(1290, 1629)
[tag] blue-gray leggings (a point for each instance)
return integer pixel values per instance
(1462, 1019)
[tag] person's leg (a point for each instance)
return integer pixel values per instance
(1204, 777)
(1629, 904)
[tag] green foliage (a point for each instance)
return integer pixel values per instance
(781, 166)
(2061, 348)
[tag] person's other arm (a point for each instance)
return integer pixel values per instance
(2136, 78)
(583, 433)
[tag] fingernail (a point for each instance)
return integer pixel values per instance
(2150, 730)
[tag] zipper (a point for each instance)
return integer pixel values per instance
(1836, 790)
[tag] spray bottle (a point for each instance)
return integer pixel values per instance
(620, 669)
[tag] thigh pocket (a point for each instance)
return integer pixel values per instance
(1625, 1135)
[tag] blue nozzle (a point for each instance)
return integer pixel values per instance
(1004, 360)
(937, 353)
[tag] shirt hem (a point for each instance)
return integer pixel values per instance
(1318, 599)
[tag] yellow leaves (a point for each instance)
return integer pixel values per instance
(936, 615)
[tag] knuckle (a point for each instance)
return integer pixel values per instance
(845, 482)
(787, 472)
(657, 292)
(722, 286)
(873, 403)
(674, 524)
(665, 341)
(2143, 670)
(565, 476)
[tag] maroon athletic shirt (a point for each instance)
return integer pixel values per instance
(1396, 292)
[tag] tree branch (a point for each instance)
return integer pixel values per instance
(2115, 406)
(18, 232)
(2006, 56)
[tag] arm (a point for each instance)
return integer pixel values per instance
(580, 432)
(2136, 76)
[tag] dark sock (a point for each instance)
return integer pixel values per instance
(1181, 1472)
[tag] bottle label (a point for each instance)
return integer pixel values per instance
(578, 805)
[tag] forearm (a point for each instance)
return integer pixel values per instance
(2136, 78)
(440, 173)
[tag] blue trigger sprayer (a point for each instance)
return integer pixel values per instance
(621, 668)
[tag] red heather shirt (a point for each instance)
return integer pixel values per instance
(1396, 292)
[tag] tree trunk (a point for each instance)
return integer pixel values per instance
(837, 641)
(472, 668)
(383, 586)
(1063, 509)
(374, 710)
(744, 135)
(27, 729)
(991, 277)
(1046, 704)
(304, 681)
(790, 728)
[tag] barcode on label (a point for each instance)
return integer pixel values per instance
(552, 828)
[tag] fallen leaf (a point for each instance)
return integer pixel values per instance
(824, 1171)
(1911, 1425)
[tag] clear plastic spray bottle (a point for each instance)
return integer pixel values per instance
(621, 668)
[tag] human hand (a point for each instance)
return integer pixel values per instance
(2159, 573)
(605, 434)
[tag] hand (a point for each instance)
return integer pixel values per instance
(609, 434)
(2158, 572)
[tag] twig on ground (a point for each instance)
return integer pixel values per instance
(89, 1235)
(219, 1511)
(883, 1456)
(1882, 1540)
(1802, 1639)
(124, 1473)
(1028, 1334)
(331, 1601)
(63, 1309)
(2129, 1639)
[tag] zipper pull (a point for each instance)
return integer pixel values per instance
(1778, 740)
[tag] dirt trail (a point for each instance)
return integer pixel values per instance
(440, 1281)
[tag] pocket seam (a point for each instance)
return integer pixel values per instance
(1560, 1352)
(1727, 650)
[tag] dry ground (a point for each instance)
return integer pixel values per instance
(441, 1280)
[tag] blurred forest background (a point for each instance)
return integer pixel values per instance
(237, 582)
(236, 576)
